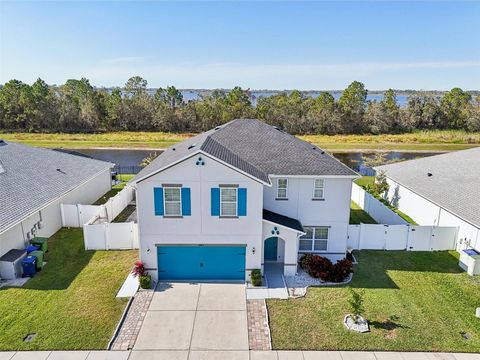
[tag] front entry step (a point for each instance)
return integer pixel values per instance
(276, 286)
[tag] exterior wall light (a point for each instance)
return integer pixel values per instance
(253, 250)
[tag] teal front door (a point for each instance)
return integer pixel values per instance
(270, 249)
(208, 262)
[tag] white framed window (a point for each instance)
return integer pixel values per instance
(228, 201)
(282, 185)
(172, 201)
(319, 189)
(315, 239)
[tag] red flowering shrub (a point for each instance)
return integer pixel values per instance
(341, 270)
(322, 268)
(305, 261)
(138, 269)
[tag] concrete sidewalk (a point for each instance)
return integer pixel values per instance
(231, 355)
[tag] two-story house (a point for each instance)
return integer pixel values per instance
(225, 202)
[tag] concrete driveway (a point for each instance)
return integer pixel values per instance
(196, 317)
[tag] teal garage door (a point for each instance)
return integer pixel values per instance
(201, 262)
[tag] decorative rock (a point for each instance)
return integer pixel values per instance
(297, 285)
(361, 325)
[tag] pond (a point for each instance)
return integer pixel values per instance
(129, 159)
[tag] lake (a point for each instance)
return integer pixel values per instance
(188, 95)
(129, 159)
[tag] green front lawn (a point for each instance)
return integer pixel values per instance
(415, 301)
(71, 303)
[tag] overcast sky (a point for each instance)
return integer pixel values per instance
(257, 45)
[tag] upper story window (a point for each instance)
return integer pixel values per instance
(319, 189)
(228, 201)
(282, 185)
(315, 239)
(173, 201)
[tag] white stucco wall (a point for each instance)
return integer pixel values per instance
(200, 227)
(287, 248)
(333, 212)
(86, 193)
(425, 212)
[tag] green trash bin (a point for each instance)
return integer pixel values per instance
(41, 242)
(39, 255)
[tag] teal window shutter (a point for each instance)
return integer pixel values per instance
(186, 206)
(215, 201)
(242, 202)
(158, 201)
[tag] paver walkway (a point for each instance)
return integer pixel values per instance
(258, 329)
(231, 355)
(129, 330)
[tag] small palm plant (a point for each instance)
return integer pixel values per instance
(356, 304)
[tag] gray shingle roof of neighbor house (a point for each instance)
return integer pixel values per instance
(453, 183)
(257, 149)
(33, 177)
(282, 220)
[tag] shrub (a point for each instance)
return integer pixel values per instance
(356, 304)
(305, 261)
(256, 277)
(320, 267)
(341, 270)
(138, 269)
(145, 281)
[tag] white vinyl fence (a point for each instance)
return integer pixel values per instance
(110, 236)
(380, 212)
(78, 215)
(99, 233)
(401, 237)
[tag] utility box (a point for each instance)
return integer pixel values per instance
(11, 264)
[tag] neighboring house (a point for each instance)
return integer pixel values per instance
(226, 201)
(33, 184)
(441, 190)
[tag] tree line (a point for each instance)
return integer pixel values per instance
(77, 106)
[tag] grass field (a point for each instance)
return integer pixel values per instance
(358, 215)
(414, 301)
(123, 178)
(369, 180)
(419, 141)
(71, 303)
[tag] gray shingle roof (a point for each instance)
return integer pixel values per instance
(282, 220)
(33, 177)
(257, 149)
(454, 183)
